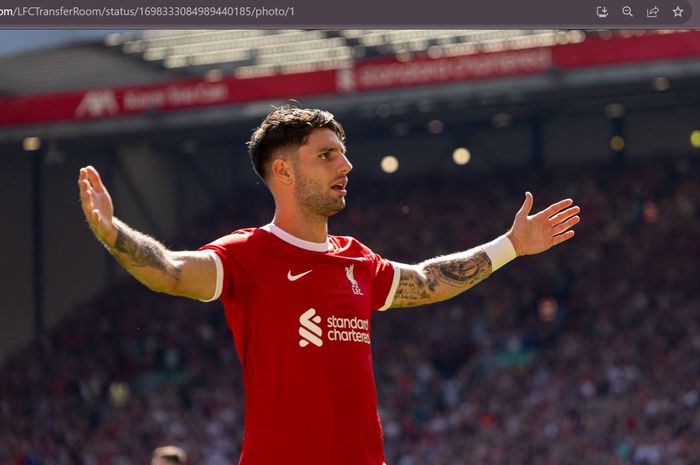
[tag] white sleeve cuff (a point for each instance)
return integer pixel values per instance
(219, 276)
(500, 252)
(394, 285)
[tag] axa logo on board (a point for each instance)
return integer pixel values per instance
(338, 329)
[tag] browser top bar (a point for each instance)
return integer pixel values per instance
(590, 14)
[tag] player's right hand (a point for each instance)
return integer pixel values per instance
(97, 205)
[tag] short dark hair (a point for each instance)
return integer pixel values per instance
(287, 126)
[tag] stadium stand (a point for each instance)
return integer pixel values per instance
(158, 56)
(254, 53)
(588, 354)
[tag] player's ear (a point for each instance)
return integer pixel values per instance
(281, 170)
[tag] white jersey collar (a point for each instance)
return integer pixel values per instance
(295, 241)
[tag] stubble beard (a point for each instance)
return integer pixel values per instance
(314, 199)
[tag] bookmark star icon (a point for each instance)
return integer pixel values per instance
(678, 12)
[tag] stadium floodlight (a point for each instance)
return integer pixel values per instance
(461, 156)
(390, 164)
(617, 143)
(695, 139)
(31, 144)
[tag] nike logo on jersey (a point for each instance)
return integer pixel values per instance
(294, 277)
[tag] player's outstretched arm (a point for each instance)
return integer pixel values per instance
(189, 274)
(444, 277)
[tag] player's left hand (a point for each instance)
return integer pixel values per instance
(531, 234)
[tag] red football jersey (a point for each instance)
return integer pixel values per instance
(300, 314)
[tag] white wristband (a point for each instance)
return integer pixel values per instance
(500, 252)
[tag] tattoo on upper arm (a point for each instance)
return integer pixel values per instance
(144, 252)
(413, 289)
(442, 278)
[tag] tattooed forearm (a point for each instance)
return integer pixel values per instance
(144, 257)
(441, 278)
(461, 271)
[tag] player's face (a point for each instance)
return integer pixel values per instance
(321, 170)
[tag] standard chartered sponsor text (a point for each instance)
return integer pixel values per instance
(150, 11)
(348, 329)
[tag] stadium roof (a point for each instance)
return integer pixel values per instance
(71, 67)
(123, 82)
(146, 57)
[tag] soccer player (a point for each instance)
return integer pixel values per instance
(299, 301)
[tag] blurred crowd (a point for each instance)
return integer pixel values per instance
(586, 354)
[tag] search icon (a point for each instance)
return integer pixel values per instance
(627, 11)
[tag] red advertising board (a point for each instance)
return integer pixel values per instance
(180, 95)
